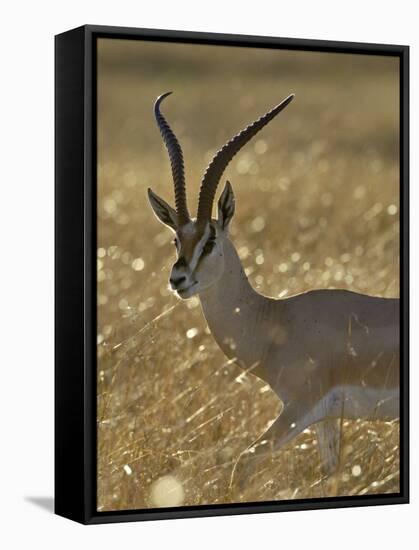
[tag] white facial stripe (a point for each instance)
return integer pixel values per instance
(198, 248)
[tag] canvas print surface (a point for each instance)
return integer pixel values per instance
(248, 313)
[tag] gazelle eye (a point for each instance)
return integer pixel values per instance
(176, 242)
(209, 245)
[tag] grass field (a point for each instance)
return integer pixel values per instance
(317, 207)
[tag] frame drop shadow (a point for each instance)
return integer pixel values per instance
(46, 503)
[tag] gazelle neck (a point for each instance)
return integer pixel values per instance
(238, 316)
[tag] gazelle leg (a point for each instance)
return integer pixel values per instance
(283, 429)
(328, 439)
(294, 418)
(288, 425)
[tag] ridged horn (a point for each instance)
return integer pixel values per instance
(222, 158)
(176, 162)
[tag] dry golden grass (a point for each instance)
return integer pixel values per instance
(317, 207)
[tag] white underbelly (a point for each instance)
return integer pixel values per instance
(355, 402)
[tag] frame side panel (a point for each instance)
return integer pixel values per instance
(69, 275)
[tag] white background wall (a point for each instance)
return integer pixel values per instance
(26, 287)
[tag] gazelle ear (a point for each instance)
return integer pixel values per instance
(165, 213)
(226, 206)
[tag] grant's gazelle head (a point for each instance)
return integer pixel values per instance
(200, 242)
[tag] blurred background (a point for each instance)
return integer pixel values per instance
(317, 195)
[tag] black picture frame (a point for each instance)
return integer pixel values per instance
(75, 273)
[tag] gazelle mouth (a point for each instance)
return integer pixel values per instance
(186, 292)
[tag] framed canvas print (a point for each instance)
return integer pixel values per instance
(231, 274)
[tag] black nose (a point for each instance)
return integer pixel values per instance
(176, 281)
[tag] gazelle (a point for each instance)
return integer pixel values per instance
(328, 354)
